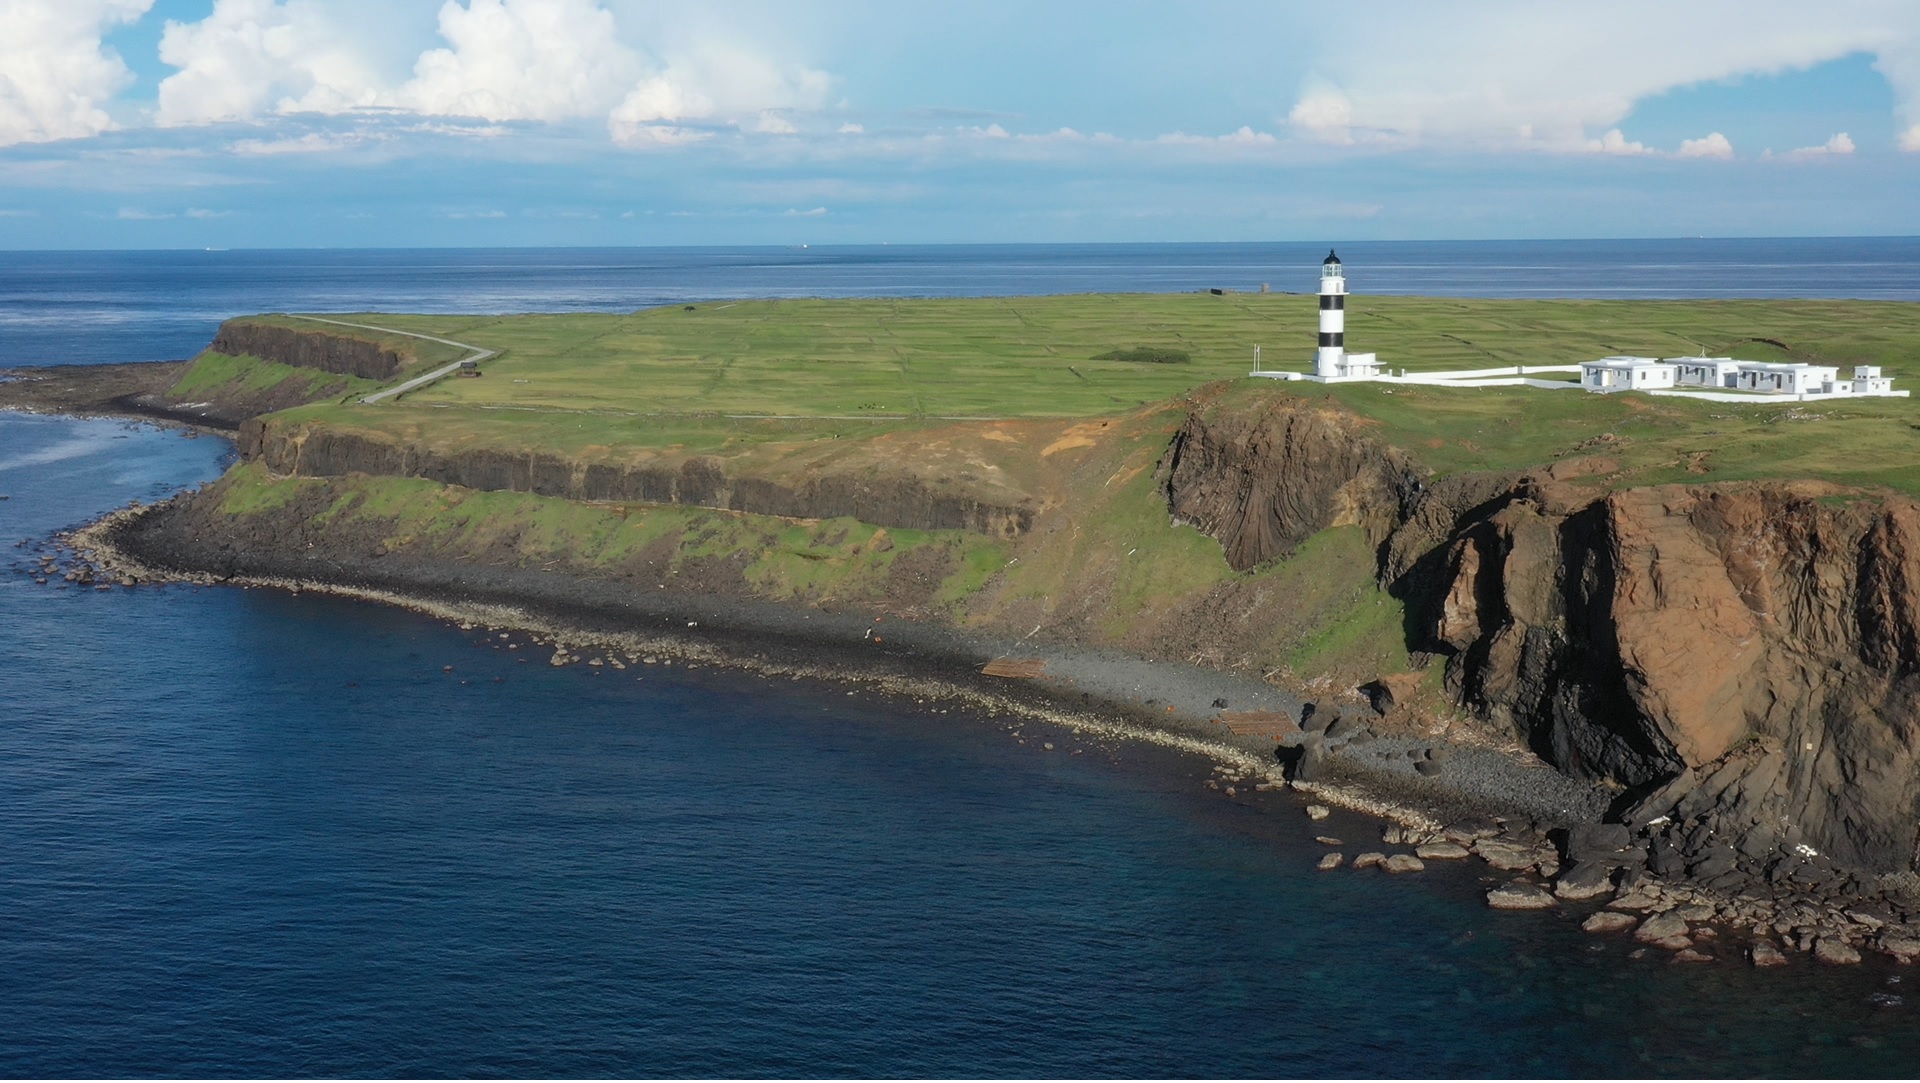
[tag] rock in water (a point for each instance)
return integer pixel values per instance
(1661, 927)
(1834, 951)
(1330, 861)
(1442, 851)
(1404, 863)
(1584, 881)
(1369, 860)
(1689, 955)
(1506, 856)
(1608, 921)
(1520, 897)
(1318, 812)
(1765, 953)
(1903, 950)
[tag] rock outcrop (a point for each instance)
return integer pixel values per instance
(885, 498)
(327, 351)
(1743, 655)
(1264, 481)
(1743, 660)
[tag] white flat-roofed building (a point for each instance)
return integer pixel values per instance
(1868, 381)
(1621, 373)
(1789, 378)
(1706, 371)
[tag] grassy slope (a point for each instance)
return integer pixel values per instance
(217, 375)
(1103, 558)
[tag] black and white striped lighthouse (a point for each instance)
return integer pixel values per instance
(1329, 361)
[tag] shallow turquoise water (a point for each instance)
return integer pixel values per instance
(243, 833)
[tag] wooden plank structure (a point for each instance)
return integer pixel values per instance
(1020, 668)
(1274, 724)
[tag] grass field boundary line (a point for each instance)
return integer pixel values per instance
(477, 355)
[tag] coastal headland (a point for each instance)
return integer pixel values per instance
(1657, 651)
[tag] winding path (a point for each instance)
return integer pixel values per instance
(478, 355)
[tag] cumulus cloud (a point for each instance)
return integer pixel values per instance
(1548, 76)
(1711, 145)
(250, 57)
(1615, 143)
(55, 76)
(1840, 144)
(522, 60)
(851, 128)
(1910, 139)
(716, 83)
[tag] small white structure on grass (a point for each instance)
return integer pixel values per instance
(1621, 373)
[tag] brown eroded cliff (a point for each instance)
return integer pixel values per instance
(1740, 658)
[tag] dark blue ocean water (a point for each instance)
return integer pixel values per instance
(244, 833)
(76, 307)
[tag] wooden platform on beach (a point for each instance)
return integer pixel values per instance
(1021, 668)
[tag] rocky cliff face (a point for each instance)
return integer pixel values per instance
(327, 351)
(889, 499)
(1264, 481)
(1743, 659)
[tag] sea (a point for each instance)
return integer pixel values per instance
(249, 833)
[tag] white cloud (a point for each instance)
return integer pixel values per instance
(1711, 145)
(250, 57)
(1549, 76)
(814, 213)
(1910, 139)
(310, 143)
(1323, 114)
(55, 76)
(773, 123)
(851, 128)
(135, 214)
(1840, 144)
(1242, 136)
(991, 131)
(522, 60)
(714, 81)
(1615, 143)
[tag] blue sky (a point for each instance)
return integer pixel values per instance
(290, 123)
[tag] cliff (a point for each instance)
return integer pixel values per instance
(1739, 658)
(335, 351)
(895, 497)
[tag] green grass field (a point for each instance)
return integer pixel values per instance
(1034, 356)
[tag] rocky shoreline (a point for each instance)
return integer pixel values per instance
(1535, 830)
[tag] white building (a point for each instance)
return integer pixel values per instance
(1621, 373)
(1791, 378)
(1705, 371)
(1868, 381)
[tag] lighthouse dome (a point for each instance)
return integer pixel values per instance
(1331, 260)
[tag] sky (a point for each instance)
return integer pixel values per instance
(321, 123)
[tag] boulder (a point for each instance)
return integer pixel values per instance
(1520, 897)
(1442, 851)
(1608, 921)
(1765, 953)
(1834, 951)
(1660, 927)
(1584, 881)
(1507, 856)
(1471, 829)
(1369, 860)
(1318, 812)
(1904, 950)
(1403, 863)
(1690, 955)
(1330, 861)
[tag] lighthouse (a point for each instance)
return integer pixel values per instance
(1330, 360)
